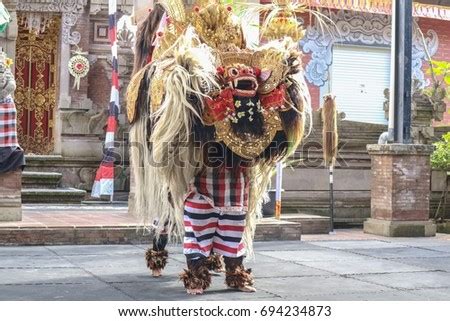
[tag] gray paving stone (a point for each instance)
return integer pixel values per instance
(420, 241)
(24, 251)
(438, 248)
(262, 257)
(283, 246)
(284, 269)
(48, 276)
(412, 269)
(414, 280)
(173, 248)
(122, 260)
(300, 287)
(327, 255)
(363, 265)
(174, 291)
(136, 273)
(361, 244)
(256, 258)
(64, 250)
(435, 263)
(442, 294)
(392, 295)
(61, 292)
(400, 252)
(34, 261)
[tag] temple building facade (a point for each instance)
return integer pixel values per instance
(62, 122)
(61, 126)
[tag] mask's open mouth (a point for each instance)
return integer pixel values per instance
(245, 86)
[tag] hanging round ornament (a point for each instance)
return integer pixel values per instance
(78, 67)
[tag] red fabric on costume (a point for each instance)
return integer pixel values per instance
(224, 188)
(274, 99)
(220, 107)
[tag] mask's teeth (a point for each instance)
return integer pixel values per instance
(236, 82)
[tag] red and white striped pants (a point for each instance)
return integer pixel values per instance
(208, 228)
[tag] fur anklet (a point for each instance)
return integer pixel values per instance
(196, 278)
(214, 262)
(156, 260)
(239, 277)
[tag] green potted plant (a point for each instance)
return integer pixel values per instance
(440, 160)
(439, 94)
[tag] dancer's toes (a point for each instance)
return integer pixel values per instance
(156, 273)
(194, 291)
(247, 288)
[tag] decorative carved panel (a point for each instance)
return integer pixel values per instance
(358, 28)
(36, 76)
(70, 10)
(73, 6)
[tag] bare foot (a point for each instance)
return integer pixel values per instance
(194, 291)
(156, 273)
(246, 288)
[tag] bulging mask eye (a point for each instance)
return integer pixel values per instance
(233, 72)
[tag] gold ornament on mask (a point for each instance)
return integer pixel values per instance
(216, 25)
(280, 19)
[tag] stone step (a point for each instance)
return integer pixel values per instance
(271, 229)
(72, 236)
(46, 180)
(61, 234)
(311, 224)
(52, 196)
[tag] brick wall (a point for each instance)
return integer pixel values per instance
(398, 185)
(10, 196)
(99, 90)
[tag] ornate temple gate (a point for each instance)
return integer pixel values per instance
(36, 64)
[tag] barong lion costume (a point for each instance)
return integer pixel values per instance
(210, 118)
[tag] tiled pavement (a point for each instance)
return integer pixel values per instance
(347, 266)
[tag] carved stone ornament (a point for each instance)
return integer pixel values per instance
(73, 6)
(70, 9)
(358, 28)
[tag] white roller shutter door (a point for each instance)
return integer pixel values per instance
(359, 75)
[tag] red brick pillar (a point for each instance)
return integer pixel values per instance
(400, 191)
(10, 196)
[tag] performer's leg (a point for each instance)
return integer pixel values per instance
(196, 278)
(237, 276)
(215, 263)
(228, 242)
(157, 256)
(200, 221)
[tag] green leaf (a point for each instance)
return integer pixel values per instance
(447, 79)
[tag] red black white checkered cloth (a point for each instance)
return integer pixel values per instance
(8, 124)
(225, 188)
